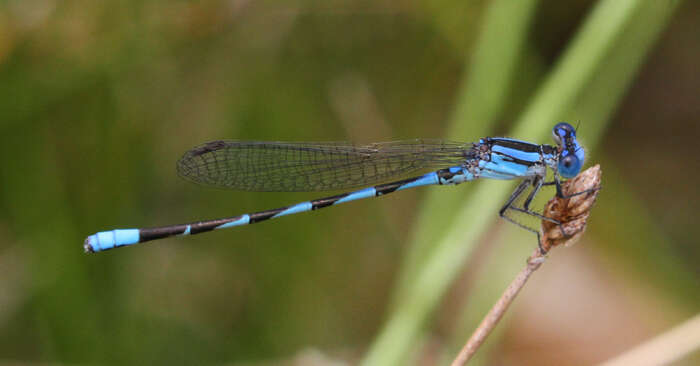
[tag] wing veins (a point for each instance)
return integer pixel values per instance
(284, 166)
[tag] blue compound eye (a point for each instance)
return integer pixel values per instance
(569, 166)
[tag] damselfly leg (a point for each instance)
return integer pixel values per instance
(536, 184)
(557, 183)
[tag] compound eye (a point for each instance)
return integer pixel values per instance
(569, 166)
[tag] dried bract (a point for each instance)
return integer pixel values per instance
(571, 212)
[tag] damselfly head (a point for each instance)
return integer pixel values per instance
(562, 133)
(571, 154)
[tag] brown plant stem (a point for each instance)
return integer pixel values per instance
(573, 214)
(499, 308)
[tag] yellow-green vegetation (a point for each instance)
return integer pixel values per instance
(99, 99)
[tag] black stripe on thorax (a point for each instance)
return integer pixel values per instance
(514, 144)
(518, 161)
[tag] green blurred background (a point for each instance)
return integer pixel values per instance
(98, 99)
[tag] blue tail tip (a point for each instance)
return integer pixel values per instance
(87, 245)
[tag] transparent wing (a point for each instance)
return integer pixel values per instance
(313, 166)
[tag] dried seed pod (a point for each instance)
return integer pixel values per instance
(571, 212)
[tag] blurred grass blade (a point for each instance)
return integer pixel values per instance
(594, 107)
(602, 28)
(480, 100)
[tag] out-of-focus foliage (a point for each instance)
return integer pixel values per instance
(98, 99)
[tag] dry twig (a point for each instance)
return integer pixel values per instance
(573, 214)
(665, 348)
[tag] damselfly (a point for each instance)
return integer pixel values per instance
(295, 166)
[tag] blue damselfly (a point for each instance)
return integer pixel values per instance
(295, 166)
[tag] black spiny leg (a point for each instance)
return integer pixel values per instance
(509, 205)
(556, 182)
(526, 205)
